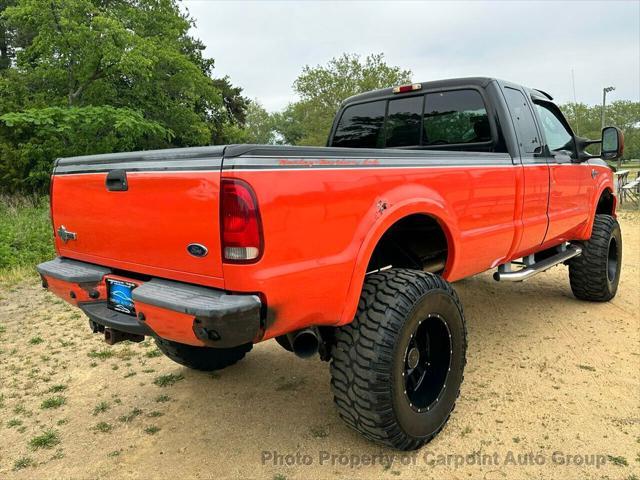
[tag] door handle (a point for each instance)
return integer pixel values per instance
(117, 181)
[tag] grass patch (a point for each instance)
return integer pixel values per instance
(101, 354)
(167, 380)
(2, 329)
(153, 353)
(35, 341)
(25, 233)
(48, 439)
(21, 410)
(128, 418)
(619, 461)
(57, 388)
(23, 462)
(103, 427)
(14, 422)
(162, 398)
(151, 430)
(154, 414)
(53, 402)
(101, 408)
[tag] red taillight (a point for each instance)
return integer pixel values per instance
(241, 230)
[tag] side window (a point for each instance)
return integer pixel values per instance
(403, 122)
(458, 116)
(361, 126)
(522, 121)
(556, 133)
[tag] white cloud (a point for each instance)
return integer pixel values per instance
(263, 45)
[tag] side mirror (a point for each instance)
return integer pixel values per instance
(612, 143)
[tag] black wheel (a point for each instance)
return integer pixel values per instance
(595, 274)
(202, 358)
(397, 368)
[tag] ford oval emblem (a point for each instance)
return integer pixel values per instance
(197, 250)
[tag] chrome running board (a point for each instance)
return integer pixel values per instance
(504, 273)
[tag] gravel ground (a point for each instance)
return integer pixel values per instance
(551, 390)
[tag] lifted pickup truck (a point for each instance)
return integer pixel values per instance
(346, 251)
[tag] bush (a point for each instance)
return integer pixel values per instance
(26, 238)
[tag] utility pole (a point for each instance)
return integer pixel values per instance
(604, 100)
(604, 106)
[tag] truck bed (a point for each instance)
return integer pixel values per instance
(172, 200)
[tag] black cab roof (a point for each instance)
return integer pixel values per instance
(434, 85)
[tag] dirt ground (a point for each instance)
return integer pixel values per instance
(551, 390)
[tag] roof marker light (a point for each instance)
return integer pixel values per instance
(407, 88)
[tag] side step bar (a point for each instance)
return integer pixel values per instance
(504, 273)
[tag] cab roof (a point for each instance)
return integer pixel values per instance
(432, 85)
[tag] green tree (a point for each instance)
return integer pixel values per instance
(134, 59)
(259, 125)
(322, 89)
(624, 114)
(45, 133)
(6, 45)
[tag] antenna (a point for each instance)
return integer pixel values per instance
(575, 102)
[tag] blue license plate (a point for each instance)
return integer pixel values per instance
(119, 296)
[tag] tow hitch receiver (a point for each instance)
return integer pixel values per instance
(112, 336)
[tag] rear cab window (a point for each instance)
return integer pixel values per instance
(433, 120)
(523, 122)
(361, 126)
(453, 117)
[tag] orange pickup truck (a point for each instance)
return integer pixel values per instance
(346, 251)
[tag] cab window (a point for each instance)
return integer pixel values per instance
(456, 119)
(522, 117)
(361, 126)
(557, 134)
(453, 117)
(403, 122)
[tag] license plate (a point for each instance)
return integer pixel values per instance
(119, 296)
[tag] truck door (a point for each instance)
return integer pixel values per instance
(535, 171)
(570, 182)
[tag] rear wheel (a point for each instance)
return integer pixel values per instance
(397, 368)
(595, 274)
(202, 358)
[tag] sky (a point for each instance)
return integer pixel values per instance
(263, 45)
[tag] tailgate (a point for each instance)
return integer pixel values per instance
(155, 205)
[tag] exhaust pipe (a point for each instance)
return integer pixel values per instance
(305, 343)
(111, 336)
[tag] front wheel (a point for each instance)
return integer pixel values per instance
(595, 274)
(396, 370)
(202, 358)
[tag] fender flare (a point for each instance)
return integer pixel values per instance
(596, 200)
(432, 205)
